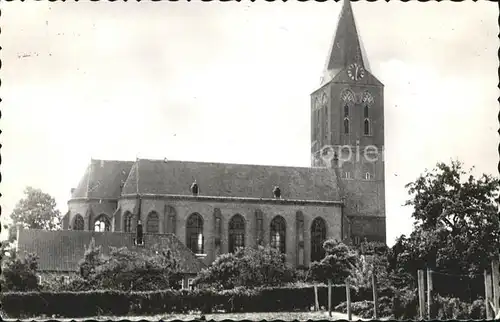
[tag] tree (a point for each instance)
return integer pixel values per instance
(373, 260)
(456, 227)
(37, 210)
(337, 265)
(249, 267)
(19, 273)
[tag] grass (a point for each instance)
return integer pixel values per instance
(285, 316)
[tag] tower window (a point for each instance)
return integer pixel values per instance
(366, 111)
(346, 126)
(346, 110)
(367, 127)
(368, 176)
(347, 174)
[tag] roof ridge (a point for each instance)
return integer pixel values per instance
(237, 164)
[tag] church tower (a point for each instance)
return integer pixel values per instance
(347, 131)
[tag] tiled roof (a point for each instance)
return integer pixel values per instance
(346, 46)
(62, 250)
(103, 179)
(231, 180)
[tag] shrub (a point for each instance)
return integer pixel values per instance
(19, 273)
(120, 303)
(247, 267)
(453, 308)
(364, 309)
(477, 311)
(127, 270)
(405, 304)
(337, 264)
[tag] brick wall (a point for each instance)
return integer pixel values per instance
(184, 208)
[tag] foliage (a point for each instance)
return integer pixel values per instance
(250, 267)
(337, 264)
(122, 303)
(373, 259)
(127, 270)
(19, 273)
(37, 210)
(92, 258)
(364, 309)
(405, 304)
(456, 221)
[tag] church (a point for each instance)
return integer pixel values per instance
(205, 209)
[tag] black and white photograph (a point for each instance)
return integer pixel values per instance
(249, 160)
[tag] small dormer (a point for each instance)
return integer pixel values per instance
(277, 192)
(194, 188)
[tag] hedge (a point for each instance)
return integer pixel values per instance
(118, 303)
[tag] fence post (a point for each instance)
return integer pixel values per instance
(495, 280)
(316, 302)
(429, 293)
(375, 295)
(348, 298)
(329, 297)
(487, 294)
(421, 293)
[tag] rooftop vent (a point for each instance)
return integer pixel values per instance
(194, 188)
(277, 192)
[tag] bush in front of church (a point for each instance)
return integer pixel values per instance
(247, 267)
(127, 270)
(337, 265)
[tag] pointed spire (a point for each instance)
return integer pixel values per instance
(346, 47)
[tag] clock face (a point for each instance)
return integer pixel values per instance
(355, 71)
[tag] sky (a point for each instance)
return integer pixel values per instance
(230, 82)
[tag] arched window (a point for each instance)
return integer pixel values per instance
(194, 233)
(318, 237)
(346, 126)
(127, 222)
(102, 223)
(153, 223)
(368, 176)
(278, 234)
(366, 114)
(346, 110)
(78, 222)
(367, 126)
(236, 233)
